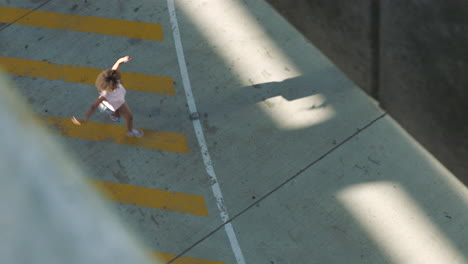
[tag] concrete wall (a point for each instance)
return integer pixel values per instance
(411, 55)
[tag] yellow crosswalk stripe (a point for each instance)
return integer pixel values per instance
(153, 198)
(100, 25)
(86, 75)
(173, 142)
(158, 140)
(182, 260)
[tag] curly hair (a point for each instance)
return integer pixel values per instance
(107, 80)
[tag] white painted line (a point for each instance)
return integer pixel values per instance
(201, 138)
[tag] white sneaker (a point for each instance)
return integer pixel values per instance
(135, 133)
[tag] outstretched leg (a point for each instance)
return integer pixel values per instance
(127, 113)
(115, 116)
(116, 113)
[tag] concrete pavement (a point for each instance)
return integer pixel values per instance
(310, 168)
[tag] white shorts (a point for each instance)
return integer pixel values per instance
(103, 108)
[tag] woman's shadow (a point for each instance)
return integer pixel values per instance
(334, 88)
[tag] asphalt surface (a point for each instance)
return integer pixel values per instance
(257, 149)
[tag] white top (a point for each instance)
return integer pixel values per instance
(115, 99)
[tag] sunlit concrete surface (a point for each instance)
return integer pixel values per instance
(404, 232)
(378, 198)
(311, 169)
(300, 113)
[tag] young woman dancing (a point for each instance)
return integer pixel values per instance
(112, 97)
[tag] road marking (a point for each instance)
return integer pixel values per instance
(201, 138)
(86, 75)
(182, 260)
(158, 140)
(99, 25)
(153, 198)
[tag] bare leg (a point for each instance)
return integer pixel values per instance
(127, 113)
(116, 113)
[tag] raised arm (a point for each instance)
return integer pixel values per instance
(120, 61)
